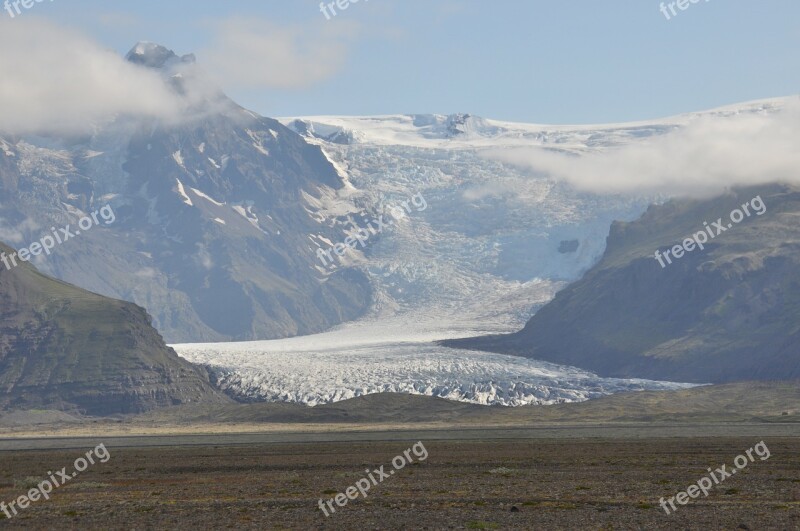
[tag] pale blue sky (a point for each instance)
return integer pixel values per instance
(556, 61)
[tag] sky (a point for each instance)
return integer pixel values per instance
(556, 61)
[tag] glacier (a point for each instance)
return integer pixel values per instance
(495, 243)
(364, 358)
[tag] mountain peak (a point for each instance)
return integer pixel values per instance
(154, 55)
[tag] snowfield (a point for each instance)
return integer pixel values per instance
(494, 244)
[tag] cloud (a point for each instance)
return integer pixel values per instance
(56, 80)
(247, 53)
(118, 19)
(706, 156)
(11, 235)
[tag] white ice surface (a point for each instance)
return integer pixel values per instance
(395, 355)
(479, 259)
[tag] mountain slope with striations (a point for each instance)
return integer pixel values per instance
(219, 213)
(726, 313)
(65, 348)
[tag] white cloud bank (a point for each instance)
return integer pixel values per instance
(706, 156)
(254, 53)
(56, 80)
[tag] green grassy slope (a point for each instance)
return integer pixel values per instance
(64, 347)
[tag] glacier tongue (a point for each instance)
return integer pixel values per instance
(393, 350)
(320, 377)
(492, 244)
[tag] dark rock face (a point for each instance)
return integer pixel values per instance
(568, 246)
(728, 312)
(218, 217)
(65, 348)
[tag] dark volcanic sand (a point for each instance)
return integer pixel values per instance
(555, 484)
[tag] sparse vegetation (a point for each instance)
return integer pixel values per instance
(480, 524)
(203, 487)
(27, 482)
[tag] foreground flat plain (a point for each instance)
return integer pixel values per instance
(555, 483)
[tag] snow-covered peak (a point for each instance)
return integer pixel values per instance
(451, 126)
(425, 126)
(154, 55)
(466, 131)
(334, 134)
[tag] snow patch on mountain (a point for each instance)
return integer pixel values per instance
(182, 192)
(207, 197)
(178, 158)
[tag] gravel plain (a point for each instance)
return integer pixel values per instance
(470, 484)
